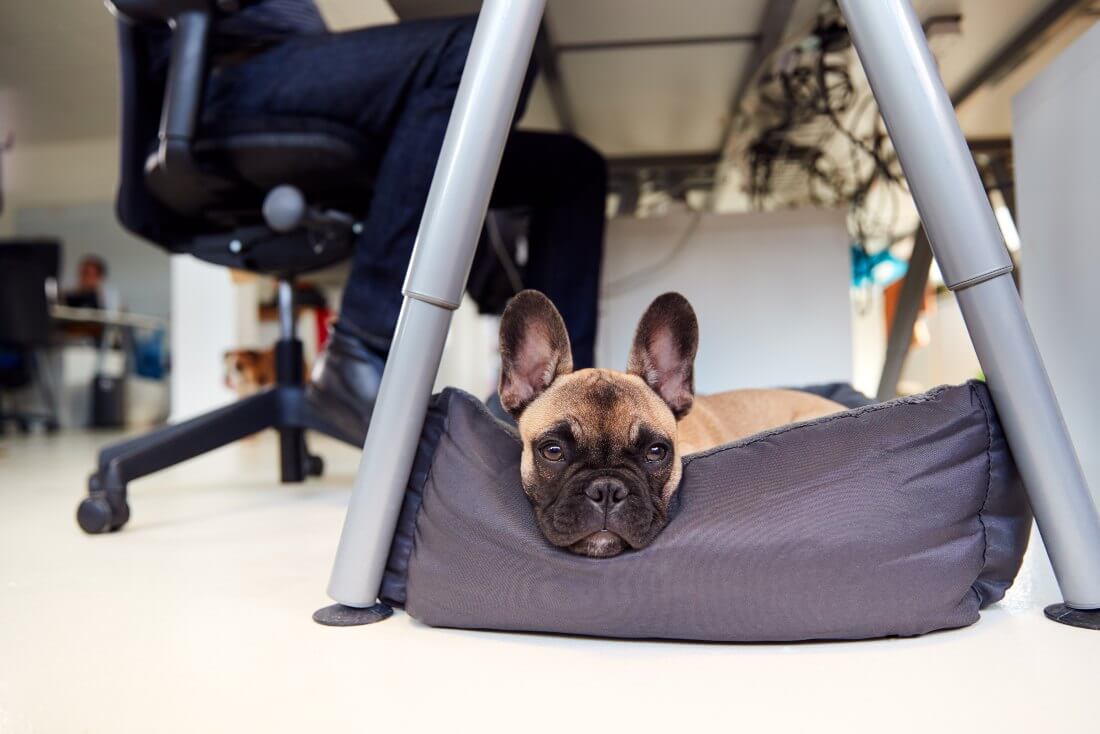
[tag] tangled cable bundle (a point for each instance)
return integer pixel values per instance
(813, 136)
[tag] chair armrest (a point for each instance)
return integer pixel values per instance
(187, 73)
(191, 22)
(160, 11)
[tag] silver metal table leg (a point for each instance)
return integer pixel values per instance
(967, 244)
(445, 243)
(905, 316)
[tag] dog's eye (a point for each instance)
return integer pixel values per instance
(552, 452)
(656, 452)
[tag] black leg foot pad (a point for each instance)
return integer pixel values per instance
(339, 615)
(1086, 618)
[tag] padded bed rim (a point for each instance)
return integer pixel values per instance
(438, 423)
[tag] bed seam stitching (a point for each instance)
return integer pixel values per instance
(988, 486)
(445, 433)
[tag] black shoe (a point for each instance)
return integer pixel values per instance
(344, 384)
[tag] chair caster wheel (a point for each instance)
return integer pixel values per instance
(96, 515)
(315, 465)
(121, 516)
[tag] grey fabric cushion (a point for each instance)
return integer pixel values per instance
(891, 519)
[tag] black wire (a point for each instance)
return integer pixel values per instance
(814, 86)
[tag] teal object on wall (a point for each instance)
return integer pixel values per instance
(879, 268)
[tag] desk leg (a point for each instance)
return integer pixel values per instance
(967, 244)
(453, 215)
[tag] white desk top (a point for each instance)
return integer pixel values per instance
(659, 82)
(73, 314)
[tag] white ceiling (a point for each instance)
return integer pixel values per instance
(57, 70)
(988, 111)
(986, 27)
(57, 65)
(647, 101)
(630, 20)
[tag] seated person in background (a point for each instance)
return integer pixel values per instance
(92, 290)
(397, 84)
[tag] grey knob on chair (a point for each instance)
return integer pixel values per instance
(284, 208)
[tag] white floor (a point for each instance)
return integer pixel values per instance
(195, 618)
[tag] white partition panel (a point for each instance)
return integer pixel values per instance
(205, 323)
(1057, 152)
(771, 291)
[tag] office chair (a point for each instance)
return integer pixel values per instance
(277, 196)
(27, 270)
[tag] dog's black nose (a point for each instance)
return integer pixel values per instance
(607, 492)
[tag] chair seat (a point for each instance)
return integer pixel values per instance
(240, 160)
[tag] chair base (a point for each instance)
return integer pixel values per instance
(25, 422)
(283, 408)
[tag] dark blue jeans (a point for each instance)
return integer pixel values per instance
(397, 84)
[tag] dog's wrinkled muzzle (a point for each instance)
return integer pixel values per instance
(600, 518)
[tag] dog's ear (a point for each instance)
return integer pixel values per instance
(534, 350)
(664, 351)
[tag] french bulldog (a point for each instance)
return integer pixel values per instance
(602, 449)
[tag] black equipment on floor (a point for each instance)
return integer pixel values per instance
(27, 270)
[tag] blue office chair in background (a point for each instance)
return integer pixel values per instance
(27, 270)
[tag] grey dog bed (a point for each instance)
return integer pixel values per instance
(896, 518)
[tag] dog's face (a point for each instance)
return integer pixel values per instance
(600, 457)
(248, 370)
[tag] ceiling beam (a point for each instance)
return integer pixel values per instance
(547, 58)
(656, 42)
(669, 160)
(990, 145)
(772, 26)
(1019, 47)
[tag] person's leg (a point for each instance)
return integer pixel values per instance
(564, 181)
(396, 84)
(361, 78)
(372, 296)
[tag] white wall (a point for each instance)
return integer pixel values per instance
(868, 338)
(55, 173)
(205, 324)
(770, 289)
(949, 358)
(470, 358)
(1057, 154)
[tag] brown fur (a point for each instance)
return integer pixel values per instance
(247, 371)
(603, 422)
(730, 416)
